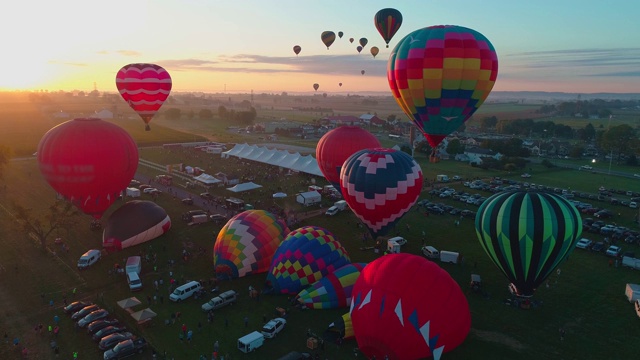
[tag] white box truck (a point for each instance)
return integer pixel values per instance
(199, 219)
(449, 256)
(632, 291)
(134, 264)
(341, 205)
(442, 178)
(133, 192)
(250, 342)
(631, 262)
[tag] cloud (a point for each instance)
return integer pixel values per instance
(318, 64)
(614, 62)
(55, 62)
(128, 52)
(103, 52)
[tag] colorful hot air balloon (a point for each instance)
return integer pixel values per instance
(343, 326)
(328, 37)
(363, 42)
(144, 87)
(305, 256)
(374, 51)
(380, 186)
(337, 145)
(387, 22)
(246, 244)
(407, 307)
(88, 161)
(359, 48)
(332, 291)
(527, 234)
(297, 49)
(316, 86)
(440, 75)
(362, 72)
(340, 33)
(351, 40)
(134, 223)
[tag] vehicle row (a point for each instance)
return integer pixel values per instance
(614, 251)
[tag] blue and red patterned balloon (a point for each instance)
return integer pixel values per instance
(380, 186)
(332, 291)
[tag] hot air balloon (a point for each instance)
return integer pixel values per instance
(297, 49)
(351, 40)
(134, 223)
(363, 42)
(305, 256)
(440, 75)
(387, 22)
(343, 326)
(374, 51)
(337, 145)
(340, 84)
(380, 186)
(316, 86)
(88, 161)
(332, 291)
(359, 48)
(407, 307)
(527, 234)
(362, 72)
(246, 244)
(328, 37)
(340, 33)
(144, 87)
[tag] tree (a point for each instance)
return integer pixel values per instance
(223, 112)
(205, 114)
(488, 122)
(455, 147)
(173, 114)
(619, 139)
(62, 216)
(5, 156)
(589, 132)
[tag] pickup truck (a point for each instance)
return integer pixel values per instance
(125, 349)
(224, 299)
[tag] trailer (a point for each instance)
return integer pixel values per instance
(309, 198)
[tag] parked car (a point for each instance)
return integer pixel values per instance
(100, 324)
(107, 331)
(468, 213)
(84, 312)
(603, 214)
(598, 247)
(149, 190)
(75, 306)
(187, 201)
(614, 251)
(273, 327)
(112, 340)
(125, 349)
(399, 239)
(586, 167)
(93, 316)
(584, 244)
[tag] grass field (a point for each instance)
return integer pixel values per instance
(587, 299)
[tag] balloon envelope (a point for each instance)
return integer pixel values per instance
(387, 22)
(340, 33)
(359, 48)
(134, 223)
(339, 84)
(332, 291)
(351, 40)
(380, 186)
(305, 256)
(328, 37)
(407, 307)
(374, 51)
(362, 72)
(89, 162)
(246, 244)
(337, 145)
(363, 42)
(527, 234)
(297, 49)
(145, 87)
(440, 75)
(316, 86)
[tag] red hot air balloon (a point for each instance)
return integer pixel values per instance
(380, 186)
(387, 22)
(89, 162)
(297, 49)
(337, 145)
(144, 87)
(393, 317)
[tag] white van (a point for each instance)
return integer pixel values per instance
(134, 281)
(89, 258)
(449, 256)
(185, 291)
(430, 252)
(250, 342)
(332, 211)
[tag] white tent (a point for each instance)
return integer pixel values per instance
(129, 302)
(282, 158)
(144, 315)
(244, 187)
(207, 179)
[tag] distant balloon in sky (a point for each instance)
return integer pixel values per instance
(359, 48)
(362, 72)
(351, 40)
(145, 87)
(340, 33)
(89, 162)
(387, 22)
(297, 49)
(316, 86)
(328, 37)
(363, 42)
(374, 51)
(340, 84)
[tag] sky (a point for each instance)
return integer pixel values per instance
(243, 45)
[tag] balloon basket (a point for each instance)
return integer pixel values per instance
(434, 159)
(312, 343)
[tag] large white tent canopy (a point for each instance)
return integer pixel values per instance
(244, 187)
(282, 158)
